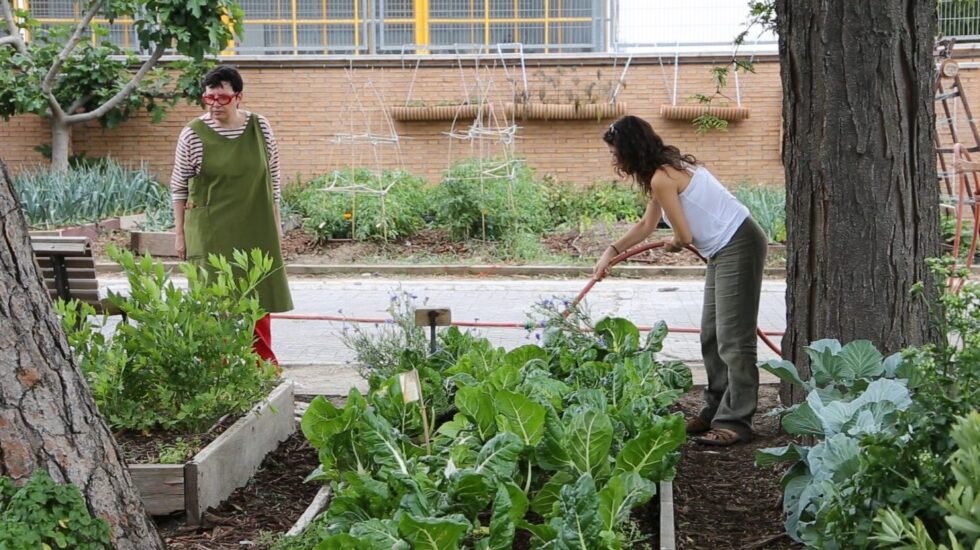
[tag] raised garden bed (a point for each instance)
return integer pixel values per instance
(222, 466)
(154, 243)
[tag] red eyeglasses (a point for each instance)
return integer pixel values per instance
(222, 99)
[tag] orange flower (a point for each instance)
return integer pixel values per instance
(348, 215)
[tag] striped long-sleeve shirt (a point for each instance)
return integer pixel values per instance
(190, 154)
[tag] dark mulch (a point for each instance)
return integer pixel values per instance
(269, 504)
(721, 499)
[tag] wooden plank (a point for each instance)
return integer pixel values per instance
(667, 538)
(88, 296)
(231, 459)
(161, 486)
(73, 283)
(71, 262)
(66, 246)
(153, 243)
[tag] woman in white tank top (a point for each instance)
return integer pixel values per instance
(702, 212)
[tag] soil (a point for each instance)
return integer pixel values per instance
(145, 448)
(721, 499)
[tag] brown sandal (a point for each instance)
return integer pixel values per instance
(721, 437)
(696, 425)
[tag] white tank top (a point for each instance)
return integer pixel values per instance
(712, 212)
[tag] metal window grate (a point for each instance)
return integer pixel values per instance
(959, 19)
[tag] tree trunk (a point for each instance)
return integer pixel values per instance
(862, 196)
(60, 144)
(47, 416)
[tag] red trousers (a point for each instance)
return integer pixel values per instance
(263, 340)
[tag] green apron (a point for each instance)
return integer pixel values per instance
(230, 206)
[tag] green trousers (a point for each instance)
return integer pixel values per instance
(733, 283)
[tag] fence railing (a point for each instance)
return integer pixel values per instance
(354, 27)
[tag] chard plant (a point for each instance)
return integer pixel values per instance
(558, 441)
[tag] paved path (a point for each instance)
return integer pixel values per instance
(316, 358)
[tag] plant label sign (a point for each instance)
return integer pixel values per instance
(411, 386)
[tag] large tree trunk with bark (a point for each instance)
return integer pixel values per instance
(48, 419)
(862, 197)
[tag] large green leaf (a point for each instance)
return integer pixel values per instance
(552, 452)
(427, 533)
(775, 455)
(504, 516)
(802, 421)
(379, 437)
(623, 492)
(620, 335)
(860, 359)
(590, 435)
(785, 371)
(477, 405)
(645, 453)
(504, 377)
(545, 499)
(655, 338)
(825, 364)
(522, 417)
(470, 492)
(520, 356)
(580, 521)
(379, 534)
(498, 457)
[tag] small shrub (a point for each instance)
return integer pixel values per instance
(45, 514)
(606, 201)
(361, 215)
(490, 199)
(87, 193)
(182, 358)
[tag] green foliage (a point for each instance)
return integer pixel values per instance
(707, 122)
(181, 359)
(961, 503)
(378, 352)
(45, 514)
(95, 70)
(606, 201)
(490, 199)
(88, 193)
(767, 206)
(577, 431)
(361, 215)
(879, 449)
(159, 219)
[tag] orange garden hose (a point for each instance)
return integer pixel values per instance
(764, 336)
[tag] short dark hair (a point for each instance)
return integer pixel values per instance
(224, 73)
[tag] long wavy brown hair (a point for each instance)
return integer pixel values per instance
(640, 152)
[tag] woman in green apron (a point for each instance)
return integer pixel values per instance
(225, 188)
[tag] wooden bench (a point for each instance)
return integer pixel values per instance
(68, 268)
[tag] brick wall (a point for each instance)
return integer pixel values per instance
(309, 105)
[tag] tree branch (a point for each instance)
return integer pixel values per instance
(76, 37)
(78, 103)
(12, 30)
(128, 89)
